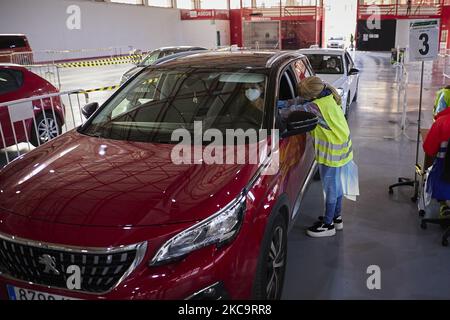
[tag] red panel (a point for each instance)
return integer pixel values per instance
(445, 23)
(236, 27)
(205, 14)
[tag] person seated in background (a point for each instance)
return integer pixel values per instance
(435, 147)
(332, 66)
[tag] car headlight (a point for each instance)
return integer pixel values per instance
(218, 229)
(340, 91)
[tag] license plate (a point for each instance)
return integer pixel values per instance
(16, 293)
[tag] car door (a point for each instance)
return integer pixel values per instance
(296, 152)
(352, 79)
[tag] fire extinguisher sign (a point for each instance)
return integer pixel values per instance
(423, 40)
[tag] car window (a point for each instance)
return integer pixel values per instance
(300, 69)
(10, 81)
(287, 86)
(169, 53)
(159, 101)
(326, 64)
(150, 58)
(348, 61)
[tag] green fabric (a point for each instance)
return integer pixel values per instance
(333, 146)
(446, 93)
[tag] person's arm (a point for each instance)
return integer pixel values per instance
(289, 103)
(306, 107)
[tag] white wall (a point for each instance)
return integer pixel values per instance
(105, 25)
(204, 32)
(340, 19)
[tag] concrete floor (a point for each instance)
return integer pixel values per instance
(92, 78)
(379, 229)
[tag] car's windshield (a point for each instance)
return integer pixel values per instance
(337, 38)
(159, 101)
(326, 64)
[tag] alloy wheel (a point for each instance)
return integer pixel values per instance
(47, 129)
(275, 264)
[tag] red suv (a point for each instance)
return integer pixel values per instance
(16, 83)
(104, 212)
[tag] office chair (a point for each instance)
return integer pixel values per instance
(445, 221)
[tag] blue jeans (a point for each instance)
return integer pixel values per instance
(333, 193)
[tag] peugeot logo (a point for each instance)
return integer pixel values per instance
(50, 264)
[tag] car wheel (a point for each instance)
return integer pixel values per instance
(347, 106)
(272, 262)
(47, 128)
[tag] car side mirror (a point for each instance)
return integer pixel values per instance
(89, 109)
(299, 122)
(353, 72)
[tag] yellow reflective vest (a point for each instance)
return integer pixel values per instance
(333, 145)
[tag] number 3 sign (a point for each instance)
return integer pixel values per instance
(423, 40)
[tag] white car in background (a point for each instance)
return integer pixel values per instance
(336, 67)
(336, 43)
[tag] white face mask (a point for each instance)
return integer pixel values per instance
(252, 94)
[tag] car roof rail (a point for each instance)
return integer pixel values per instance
(279, 55)
(174, 56)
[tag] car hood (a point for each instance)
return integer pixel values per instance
(81, 180)
(337, 80)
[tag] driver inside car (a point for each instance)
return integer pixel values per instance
(252, 108)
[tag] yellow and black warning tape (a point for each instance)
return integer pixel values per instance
(101, 62)
(101, 89)
(148, 81)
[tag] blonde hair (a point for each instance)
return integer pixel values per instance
(311, 87)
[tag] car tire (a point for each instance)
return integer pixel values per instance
(41, 125)
(355, 98)
(347, 106)
(269, 278)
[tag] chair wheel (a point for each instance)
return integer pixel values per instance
(422, 213)
(423, 225)
(445, 242)
(391, 191)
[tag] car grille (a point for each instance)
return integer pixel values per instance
(101, 270)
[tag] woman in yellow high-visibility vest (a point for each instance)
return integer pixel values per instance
(333, 147)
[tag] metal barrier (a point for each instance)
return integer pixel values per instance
(52, 56)
(49, 72)
(38, 119)
(444, 60)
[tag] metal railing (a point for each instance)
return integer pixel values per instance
(402, 9)
(52, 56)
(36, 120)
(49, 72)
